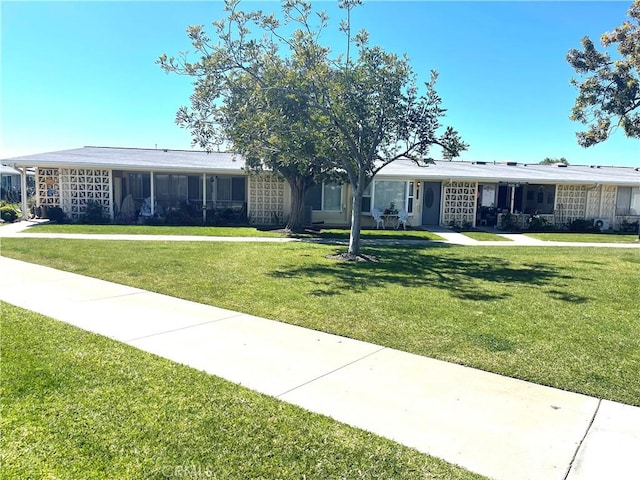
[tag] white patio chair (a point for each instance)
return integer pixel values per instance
(377, 216)
(403, 219)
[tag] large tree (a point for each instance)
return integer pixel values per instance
(247, 94)
(365, 112)
(609, 90)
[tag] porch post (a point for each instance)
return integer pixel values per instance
(513, 198)
(204, 198)
(111, 196)
(152, 191)
(23, 193)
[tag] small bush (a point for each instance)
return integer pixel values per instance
(95, 214)
(56, 214)
(540, 224)
(9, 213)
(580, 225)
(629, 227)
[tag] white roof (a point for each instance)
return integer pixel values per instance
(4, 170)
(186, 161)
(513, 172)
(135, 159)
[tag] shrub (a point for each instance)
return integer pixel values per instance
(580, 225)
(540, 224)
(56, 214)
(95, 214)
(9, 213)
(629, 227)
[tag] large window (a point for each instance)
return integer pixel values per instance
(139, 185)
(171, 188)
(628, 201)
(231, 189)
(388, 195)
(326, 197)
(539, 198)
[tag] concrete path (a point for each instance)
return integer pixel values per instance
(493, 425)
(21, 230)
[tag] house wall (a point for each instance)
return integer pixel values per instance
(47, 187)
(571, 203)
(459, 203)
(269, 199)
(72, 188)
(78, 186)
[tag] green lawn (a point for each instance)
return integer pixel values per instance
(154, 230)
(586, 237)
(485, 237)
(332, 233)
(564, 317)
(78, 405)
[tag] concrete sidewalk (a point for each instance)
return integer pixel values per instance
(493, 425)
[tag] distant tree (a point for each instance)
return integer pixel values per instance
(552, 161)
(609, 96)
(357, 115)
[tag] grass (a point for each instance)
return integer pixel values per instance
(485, 237)
(331, 233)
(586, 237)
(563, 317)
(78, 405)
(153, 230)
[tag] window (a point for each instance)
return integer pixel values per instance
(171, 188)
(389, 195)
(366, 199)
(628, 201)
(326, 197)
(539, 198)
(195, 188)
(231, 189)
(139, 185)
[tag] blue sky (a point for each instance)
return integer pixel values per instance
(83, 73)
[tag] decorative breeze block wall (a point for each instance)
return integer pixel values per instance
(608, 201)
(266, 199)
(593, 202)
(47, 187)
(459, 203)
(601, 202)
(571, 202)
(81, 185)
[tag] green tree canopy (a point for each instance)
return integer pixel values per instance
(609, 90)
(284, 101)
(553, 161)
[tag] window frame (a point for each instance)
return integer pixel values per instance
(369, 195)
(323, 196)
(632, 202)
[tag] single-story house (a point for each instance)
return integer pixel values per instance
(149, 182)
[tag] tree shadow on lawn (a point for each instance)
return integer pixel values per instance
(416, 267)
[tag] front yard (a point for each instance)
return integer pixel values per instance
(563, 317)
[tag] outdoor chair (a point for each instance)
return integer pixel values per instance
(377, 216)
(403, 219)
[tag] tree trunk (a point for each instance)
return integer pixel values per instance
(356, 221)
(298, 192)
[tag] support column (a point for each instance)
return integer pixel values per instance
(152, 191)
(111, 196)
(513, 198)
(204, 198)
(23, 193)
